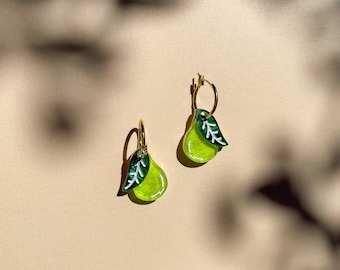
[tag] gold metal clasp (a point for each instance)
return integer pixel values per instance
(141, 140)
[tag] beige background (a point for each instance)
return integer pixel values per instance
(65, 117)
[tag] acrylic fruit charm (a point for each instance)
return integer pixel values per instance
(203, 139)
(144, 177)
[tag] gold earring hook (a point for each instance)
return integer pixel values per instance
(141, 140)
(200, 82)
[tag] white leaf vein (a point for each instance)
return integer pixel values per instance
(139, 165)
(211, 133)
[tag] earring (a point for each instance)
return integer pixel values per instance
(144, 177)
(203, 139)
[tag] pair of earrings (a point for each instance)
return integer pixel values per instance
(144, 180)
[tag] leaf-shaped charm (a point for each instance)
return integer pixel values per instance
(209, 128)
(137, 171)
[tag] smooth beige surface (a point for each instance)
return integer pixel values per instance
(64, 121)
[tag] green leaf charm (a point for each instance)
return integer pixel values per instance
(137, 171)
(203, 139)
(209, 128)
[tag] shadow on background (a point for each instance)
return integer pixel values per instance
(278, 189)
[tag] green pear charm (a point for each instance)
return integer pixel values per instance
(203, 139)
(153, 185)
(144, 177)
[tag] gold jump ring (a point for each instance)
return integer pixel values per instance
(201, 81)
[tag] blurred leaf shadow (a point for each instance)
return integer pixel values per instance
(227, 220)
(160, 4)
(279, 190)
(61, 121)
(86, 53)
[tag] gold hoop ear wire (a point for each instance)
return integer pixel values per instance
(141, 140)
(200, 82)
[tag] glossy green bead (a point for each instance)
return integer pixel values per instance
(153, 185)
(196, 147)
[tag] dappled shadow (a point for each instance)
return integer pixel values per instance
(278, 189)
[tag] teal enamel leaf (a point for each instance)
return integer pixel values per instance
(137, 171)
(209, 128)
